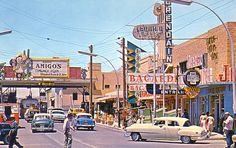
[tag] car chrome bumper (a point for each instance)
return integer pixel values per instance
(83, 125)
(42, 128)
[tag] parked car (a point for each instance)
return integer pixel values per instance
(42, 122)
(167, 128)
(4, 131)
(58, 115)
(50, 109)
(84, 120)
(29, 114)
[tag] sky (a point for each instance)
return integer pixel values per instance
(59, 28)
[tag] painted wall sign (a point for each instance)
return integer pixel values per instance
(149, 32)
(50, 68)
(192, 78)
(143, 78)
(211, 47)
(168, 31)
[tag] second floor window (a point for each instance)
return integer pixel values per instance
(107, 86)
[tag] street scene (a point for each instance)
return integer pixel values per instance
(109, 74)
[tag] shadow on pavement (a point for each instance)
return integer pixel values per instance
(174, 142)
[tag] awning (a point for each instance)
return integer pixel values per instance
(109, 96)
(150, 98)
(103, 99)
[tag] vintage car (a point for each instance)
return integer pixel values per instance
(4, 130)
(58, 115)
(84, 120)
(29, 114)
(174, 128)
(75, 111)
(42, 122)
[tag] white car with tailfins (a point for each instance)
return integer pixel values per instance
(173, 128)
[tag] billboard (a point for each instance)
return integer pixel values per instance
(50, 68)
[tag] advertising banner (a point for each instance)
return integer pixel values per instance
(50, 68)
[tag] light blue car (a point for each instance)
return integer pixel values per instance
(84, 120)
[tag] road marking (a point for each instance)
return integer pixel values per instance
(62, 144)
(79, 141)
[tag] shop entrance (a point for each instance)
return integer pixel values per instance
(215, 108)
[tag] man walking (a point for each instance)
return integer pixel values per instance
(12, 136)
(228, 129)
(67, 126)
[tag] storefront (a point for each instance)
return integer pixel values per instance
(215, 99)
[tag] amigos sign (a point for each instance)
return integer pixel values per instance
(50, 68)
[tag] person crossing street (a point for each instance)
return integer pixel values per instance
(12, 136)
(67, 127)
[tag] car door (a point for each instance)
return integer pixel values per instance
(172, 129)
(159, 129)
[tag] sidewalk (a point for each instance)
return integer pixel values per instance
(214, 135)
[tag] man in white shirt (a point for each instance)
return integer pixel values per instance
(228, 129)
(67, 126)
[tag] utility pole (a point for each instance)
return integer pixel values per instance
(177, 90)
(91, 81)
(124, 72)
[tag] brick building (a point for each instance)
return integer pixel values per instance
(210, 54)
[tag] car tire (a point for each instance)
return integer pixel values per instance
(6, 139)
(135, 136)
(91, 128)
(33, 131)
(193, 141)
(185, 139)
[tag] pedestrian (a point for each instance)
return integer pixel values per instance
(210, 123)
(228, 129)
(67, 126)
(222, 119)
(185, 114)
(13, 134)
(202, 121)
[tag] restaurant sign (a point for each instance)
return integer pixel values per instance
(50, 68)
(149, 31)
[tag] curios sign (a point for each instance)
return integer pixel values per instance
(191, 77)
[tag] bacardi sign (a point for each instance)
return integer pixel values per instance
(144, 78)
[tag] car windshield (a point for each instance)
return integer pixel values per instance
(43, 117)
(57, 112)
(187, 123)
(84, 116)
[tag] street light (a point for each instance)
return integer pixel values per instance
(189, 2)
(117, 79)
(5, 32)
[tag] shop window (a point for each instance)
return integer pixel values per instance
(107, 86)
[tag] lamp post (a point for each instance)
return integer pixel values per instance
(189, 2)
(117, 79)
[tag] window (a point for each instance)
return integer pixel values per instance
(187, 124)
(107, 86)
(173, 123)
(183, 66)
(160, 122)
(118, 86)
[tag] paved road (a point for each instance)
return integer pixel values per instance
(102, 137)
